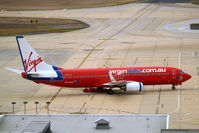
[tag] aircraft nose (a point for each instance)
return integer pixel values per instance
(187, 76)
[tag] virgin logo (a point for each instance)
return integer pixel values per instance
(32, 64)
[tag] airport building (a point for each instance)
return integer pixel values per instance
(84, 123)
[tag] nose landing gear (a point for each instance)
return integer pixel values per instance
(173, 87)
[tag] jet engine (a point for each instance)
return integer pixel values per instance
(134, 86)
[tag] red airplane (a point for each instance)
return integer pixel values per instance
(98, 79)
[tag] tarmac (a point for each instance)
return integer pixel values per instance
(119, 36)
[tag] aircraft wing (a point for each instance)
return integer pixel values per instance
(123, 84)
(117, 83)
(113, 82)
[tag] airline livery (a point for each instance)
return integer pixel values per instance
(95, 80)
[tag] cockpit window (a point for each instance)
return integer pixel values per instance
(179, 77)
(181, 72)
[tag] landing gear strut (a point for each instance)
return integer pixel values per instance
(173, 87)
(123, 88)
(98, 89)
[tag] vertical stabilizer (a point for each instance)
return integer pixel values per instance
(32, 61)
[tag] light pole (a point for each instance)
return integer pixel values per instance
(36, 106)
(13, 107)
(48, 104)
(25, 102)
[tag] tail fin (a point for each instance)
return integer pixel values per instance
(32, 62)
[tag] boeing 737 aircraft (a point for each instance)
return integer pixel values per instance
(98, 79)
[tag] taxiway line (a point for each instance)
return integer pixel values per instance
(146, 11)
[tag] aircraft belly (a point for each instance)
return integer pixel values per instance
(153, 80)
(82, 82)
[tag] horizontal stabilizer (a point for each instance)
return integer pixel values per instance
(14, 70)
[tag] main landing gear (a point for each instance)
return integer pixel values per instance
(110, 91)
(173, 87)
(98, 89)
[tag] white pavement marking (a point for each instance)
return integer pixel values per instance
(179, 97)
(182, 27)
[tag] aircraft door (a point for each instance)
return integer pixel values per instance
(173, 74)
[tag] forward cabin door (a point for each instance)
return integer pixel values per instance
(174, 75)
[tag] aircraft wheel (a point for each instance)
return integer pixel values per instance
(100, 88)
(85, 90)
(123, 88)
(173, 87)
(110, 92)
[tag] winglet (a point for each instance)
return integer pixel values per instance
(111, 77)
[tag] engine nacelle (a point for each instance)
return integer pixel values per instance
(134, 86)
